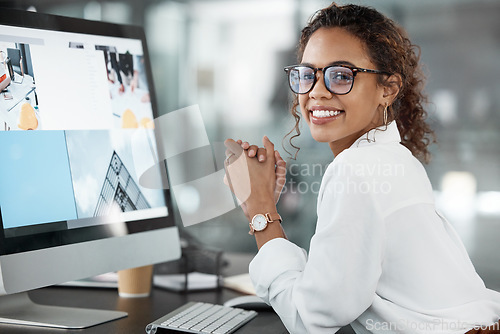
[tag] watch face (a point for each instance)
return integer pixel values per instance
(259, 222)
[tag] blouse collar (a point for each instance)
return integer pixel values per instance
(379, 135)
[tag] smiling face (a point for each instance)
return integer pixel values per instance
(341, 119)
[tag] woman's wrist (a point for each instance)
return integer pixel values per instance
(261, 207)
(273, 229)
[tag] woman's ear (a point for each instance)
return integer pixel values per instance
(392, 86)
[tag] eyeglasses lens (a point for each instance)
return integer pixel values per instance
(338, 80)
(301, 79)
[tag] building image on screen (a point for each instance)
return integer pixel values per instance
(105, 170)
(119, 190)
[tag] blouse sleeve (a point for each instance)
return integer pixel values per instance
(336, 283)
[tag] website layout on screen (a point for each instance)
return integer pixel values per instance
(76, 130)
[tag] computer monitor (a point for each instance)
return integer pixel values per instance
(71, 203)
(15, 58)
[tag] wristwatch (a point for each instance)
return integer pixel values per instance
(259, 221)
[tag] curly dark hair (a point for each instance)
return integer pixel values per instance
(390, 50)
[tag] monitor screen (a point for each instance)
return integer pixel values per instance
(76, 134)
(87, 99)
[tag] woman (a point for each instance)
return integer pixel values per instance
(381, 259)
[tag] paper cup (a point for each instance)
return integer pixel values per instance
(135, 282)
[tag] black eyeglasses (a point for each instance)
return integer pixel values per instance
(338, 78)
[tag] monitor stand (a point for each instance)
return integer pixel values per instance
(19, 309)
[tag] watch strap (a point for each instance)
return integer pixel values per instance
(271, 217)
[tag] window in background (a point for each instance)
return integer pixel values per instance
(166, 30)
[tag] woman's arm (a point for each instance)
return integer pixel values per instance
(257, 184)
(336, 282)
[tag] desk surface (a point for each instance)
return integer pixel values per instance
(10, 109)
(140, 311)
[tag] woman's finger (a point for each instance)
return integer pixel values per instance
(230, 156)
(269, 146)
(252, 151)
(280, 175)
(261, 154)
(233, 151)
(280, 163)
(233, 147)
(244, 144)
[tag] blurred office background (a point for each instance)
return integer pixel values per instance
(227, 56)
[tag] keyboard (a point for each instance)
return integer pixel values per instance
(197, 317)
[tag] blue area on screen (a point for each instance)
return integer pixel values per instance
(35, 178)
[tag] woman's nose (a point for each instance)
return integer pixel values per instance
(319, 89)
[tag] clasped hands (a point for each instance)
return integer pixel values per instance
(256, 175)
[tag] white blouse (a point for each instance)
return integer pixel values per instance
(381, 259)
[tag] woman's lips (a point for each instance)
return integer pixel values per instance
(319, 117)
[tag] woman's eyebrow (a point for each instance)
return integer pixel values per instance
(333, 63)
(341, 62)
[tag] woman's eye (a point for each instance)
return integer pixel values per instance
(341, 77)
(307, 76)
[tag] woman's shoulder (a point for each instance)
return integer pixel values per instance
(388, 172)
(381, 157)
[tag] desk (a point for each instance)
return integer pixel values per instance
(140, 311)
(9, 109)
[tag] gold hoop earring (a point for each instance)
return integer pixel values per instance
(385, 114)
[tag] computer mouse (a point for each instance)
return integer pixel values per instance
(250, 302)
